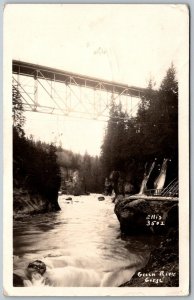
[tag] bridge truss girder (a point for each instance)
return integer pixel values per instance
(68, 93)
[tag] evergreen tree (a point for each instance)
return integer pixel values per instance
(114, 140)
(35, 167)
(153, 133)
(18, 117)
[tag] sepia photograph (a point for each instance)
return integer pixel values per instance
(96, 149)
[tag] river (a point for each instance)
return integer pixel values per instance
(81, 245)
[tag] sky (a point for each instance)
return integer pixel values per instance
(124, 43)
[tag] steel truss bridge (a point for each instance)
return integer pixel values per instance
(52, 91)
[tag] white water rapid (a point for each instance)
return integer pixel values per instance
(81, 245)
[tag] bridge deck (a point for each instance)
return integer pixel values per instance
(69, 78)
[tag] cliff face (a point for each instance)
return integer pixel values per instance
(36, 175)
(25, 203)
(71, 183)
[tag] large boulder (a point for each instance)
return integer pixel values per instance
(162, 269)
(146, 216)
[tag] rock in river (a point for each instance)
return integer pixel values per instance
(101, 198)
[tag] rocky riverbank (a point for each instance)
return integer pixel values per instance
(162, 269)
(157, 218)
(25, 203)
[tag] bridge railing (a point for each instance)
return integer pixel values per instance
(154, 192)
(171, 190)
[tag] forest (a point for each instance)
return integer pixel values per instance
(130, 142)
(35, 167)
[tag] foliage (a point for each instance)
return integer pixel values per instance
(114, 140)
(153, 133)
(18, 118)
(35, 165)
(129, 143)
(90, 171)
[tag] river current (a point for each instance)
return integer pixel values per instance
(81, 245)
